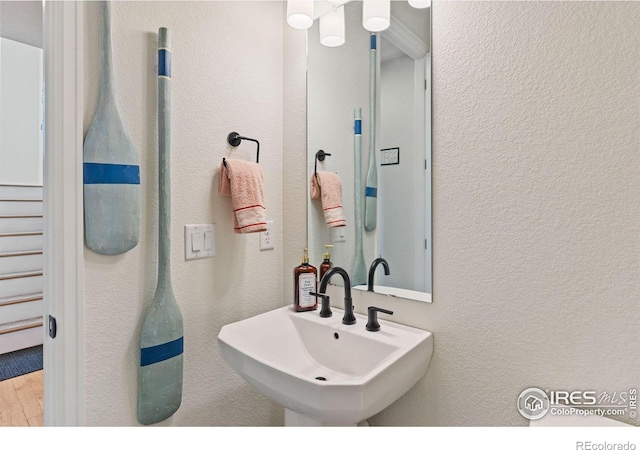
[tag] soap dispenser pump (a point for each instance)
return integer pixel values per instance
(326, 264)
(305, 282)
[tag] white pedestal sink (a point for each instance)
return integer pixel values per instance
(324, 372)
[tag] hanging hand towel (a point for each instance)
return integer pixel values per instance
(326, 186)
(243, 182)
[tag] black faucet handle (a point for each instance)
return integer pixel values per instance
(372, 315)
(325, 311)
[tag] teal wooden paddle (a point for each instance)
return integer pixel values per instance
(371, 186)
(161, 342)
(359, 275)
(111, 167)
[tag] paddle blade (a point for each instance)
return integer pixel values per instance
(111, 168)
(371, 194)
(111, 191)
(359, 275)
(161, 360)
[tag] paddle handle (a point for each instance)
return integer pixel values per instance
(164, 144)
(107, 88)
(372, 97)
(357, 142)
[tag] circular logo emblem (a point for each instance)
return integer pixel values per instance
(533, 403)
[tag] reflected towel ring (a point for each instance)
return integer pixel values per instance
(234, 140)
(320, 155)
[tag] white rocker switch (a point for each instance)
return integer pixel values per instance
(197, 242)
(208, 241)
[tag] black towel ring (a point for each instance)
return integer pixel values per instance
(234, 140)
(320, 155)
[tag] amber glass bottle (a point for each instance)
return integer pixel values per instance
(305, 282)
(326, 264)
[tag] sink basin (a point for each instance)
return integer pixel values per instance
(324, 372)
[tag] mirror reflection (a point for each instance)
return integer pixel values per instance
(383, 79)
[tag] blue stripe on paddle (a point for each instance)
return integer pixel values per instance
(158, 353)
(371, 192)
(373, 41)
(101, 173)
(358, 127)
(164, 63)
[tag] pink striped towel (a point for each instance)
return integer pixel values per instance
(243, 182)
(326, 186)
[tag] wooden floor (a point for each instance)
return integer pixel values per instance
(21, 401)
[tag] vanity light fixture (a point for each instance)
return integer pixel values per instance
(300, 14)
(332, 32)
(420, 4)
(376, 14)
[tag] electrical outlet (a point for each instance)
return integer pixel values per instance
(338, 234)
(266, 237)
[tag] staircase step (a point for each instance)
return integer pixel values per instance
(21, 284)
(22, 223)
(17, 242)
(19, 262)
(6, 301)
(19, 207)
(21, 192)
(21, 325)
(17, 312)
(13, 276)
(17, 340)
(22, 253)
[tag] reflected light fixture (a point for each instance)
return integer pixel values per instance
(332, 27)
(376, 14)
(300, 13)
(420, 4)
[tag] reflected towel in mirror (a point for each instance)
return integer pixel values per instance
(327, 187)
(243, 182)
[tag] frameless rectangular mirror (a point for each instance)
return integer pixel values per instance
(377, 84)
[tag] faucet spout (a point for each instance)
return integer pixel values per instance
(372, 271)
(348, 318)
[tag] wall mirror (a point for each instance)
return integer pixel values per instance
(383, 79)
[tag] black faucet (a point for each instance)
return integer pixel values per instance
(372, 323)
(326, 305)
(372, 271)
(348, 318)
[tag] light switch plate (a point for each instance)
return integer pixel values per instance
(199, 241)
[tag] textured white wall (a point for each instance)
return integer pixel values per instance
(227, 76)
(535, 208)
(294, 180)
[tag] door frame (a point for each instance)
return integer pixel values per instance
(415, 48)
(63, 214)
